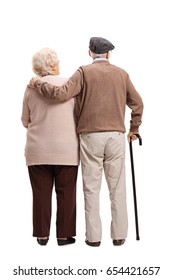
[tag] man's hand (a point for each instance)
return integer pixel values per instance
(131, 136)
(32, 82)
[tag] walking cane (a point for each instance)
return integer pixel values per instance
(134, 186)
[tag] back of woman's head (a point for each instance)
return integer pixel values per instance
(43, 62)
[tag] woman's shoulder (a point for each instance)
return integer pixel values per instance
(55, 80)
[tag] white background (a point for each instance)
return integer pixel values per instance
(142, 34)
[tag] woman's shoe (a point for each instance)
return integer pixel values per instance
(42, 241)
(69, 240)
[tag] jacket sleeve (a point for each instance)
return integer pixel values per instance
(61, 93)
(135, 103)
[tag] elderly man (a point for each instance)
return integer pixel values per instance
(102, 91)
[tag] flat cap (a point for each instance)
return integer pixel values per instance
(100, 45)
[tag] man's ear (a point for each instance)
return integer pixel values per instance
(89, 52)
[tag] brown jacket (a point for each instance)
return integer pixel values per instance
(102, 92)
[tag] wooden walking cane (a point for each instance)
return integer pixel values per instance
(134, 185)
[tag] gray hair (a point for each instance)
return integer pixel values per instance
(97, 55)
(43, 62)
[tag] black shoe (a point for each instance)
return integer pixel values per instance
(118, 242)
(69, 240)
(94, 244)
(42, 241)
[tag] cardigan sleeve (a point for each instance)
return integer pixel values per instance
(135, 103)
(25, 117)
(61, 93)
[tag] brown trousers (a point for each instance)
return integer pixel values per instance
(43, 178)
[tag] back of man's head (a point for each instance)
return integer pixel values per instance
(100, 45)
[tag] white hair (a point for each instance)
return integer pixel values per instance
(97, 55)
(43, 62)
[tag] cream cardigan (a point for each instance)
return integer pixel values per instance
(51, 130)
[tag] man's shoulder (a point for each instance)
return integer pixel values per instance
(82, 67)
(118, 68)
(112, 67)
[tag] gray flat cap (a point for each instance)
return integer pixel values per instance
(100, 45)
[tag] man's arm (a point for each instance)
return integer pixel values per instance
(135, 103)
(60, 93)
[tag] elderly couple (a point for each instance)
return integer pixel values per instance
(79, 119)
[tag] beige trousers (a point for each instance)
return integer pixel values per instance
(104, 151)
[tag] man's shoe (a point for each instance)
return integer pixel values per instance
(69, 240)
(94, 244)
(42, 242)
(118, 242)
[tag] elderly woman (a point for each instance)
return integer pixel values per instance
(51, 153)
